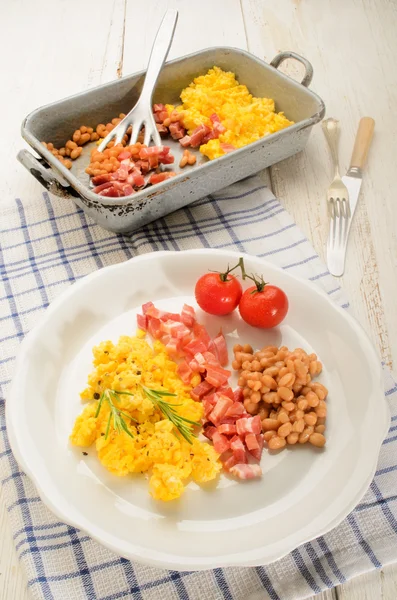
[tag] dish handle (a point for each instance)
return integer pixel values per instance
(45, 175)
(282, 56)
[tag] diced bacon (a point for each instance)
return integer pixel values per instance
(128, 189)
(257, 453)
(152, 311)
(210, 136)
(123, 155)
(217, 376)
(238, 395)
(194, 347)
(195, 366)
(218, 129)
(158, 107)
(111, 192)
(198, 135)
(147, 151)
(159, 177)
(221, 443)
(177, 130)
(201, 333)
(228, 148)
(154, 328)
(211, 359)
(236, 410)
(221, 349)
(229, 462)
(142, 321)
(249, 425)
(237, 446)
(209, 402)
(185, 141)
(122, 172)
(103, 186)
(143, 166)
(136, 178)
(99, 179)
(251, 441)
(227, 428)
(161, 128)
(184, 372)
(215, 118)
(226, 391)
(172, 347)
(188, 315)
(243, 471)
(174, 328)
(220, 409)
(167, 316)
(209, 430)
(153, 162)
(146, 307)
(201, 390)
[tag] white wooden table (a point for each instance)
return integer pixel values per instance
(53, 48)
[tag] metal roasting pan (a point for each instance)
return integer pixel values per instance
(56, 122)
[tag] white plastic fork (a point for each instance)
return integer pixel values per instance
(141, 114)
(338, 205)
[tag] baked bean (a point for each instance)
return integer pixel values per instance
(236, 365)
(271, 371)
(312, 399)
(313, 368)
(292, 438)
(268, 435)
(321, 421)
(287, 381)
(76, 136)
(256, 365)
(284, 430)
(319, 429)
(288, 405)
(237, 348)
(246, 392)
(297, 387)
(75, 153)
(276, 442)
(299, 414)
(67, 163)
(304, 437)
(283, 371)
(305, 390)
(298, 426)
(283, 416)
(290, 365)
(302, 404)
(270, 424)
(264, 389)
(255, 396)
(270, 397)
(285, 394)
(251, 407)
(310, 418)
(263, 412)
(321, 409)
(317, 439)
(248, 348)
(269, 382)
(273, 414)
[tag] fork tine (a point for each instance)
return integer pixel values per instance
(105, 141)
(136, 129)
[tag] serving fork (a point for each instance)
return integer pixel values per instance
(141, 114)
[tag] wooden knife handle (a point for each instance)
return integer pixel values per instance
(362, 143)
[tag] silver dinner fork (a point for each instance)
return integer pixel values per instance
(338, 205)
(141, 114)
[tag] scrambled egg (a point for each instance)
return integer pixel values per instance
(246, 118)
(156, 446)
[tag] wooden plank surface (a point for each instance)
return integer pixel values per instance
(352, 46)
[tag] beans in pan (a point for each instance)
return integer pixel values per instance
(278, 385)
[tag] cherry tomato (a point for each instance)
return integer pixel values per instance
(265, 308)
(218, 293)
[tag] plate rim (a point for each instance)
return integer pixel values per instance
(194, 563)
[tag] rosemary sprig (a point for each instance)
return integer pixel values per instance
(183, 425)
(119, 423)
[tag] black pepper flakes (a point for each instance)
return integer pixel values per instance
(96, 396)
(138, 372)
(85, 453)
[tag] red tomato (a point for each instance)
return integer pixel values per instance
(218, 297)
(266, 308)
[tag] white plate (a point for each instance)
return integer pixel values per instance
(304, 491)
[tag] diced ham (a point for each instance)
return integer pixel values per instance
(237, 446)
(161, 128)
(159, 177)
(236, 410)
(147, 151)
(226, 391)
(103, 186)
(249, 425)
(167, 316)
(257, 453)
(198, 135)
(201, 390)
(188, 315)
(173, 348)
(209, 430)
(199, 358)
(99, 179)
(184, 372)
(243, 471)
(221, 349)
(201, 333)
(177, 130)
(158, 107)
(142, 321)
(174, 328)
(154, 328)
(227, 428)
(111, 192)
(221, 443)
(219, 410)
(209, 402)
(211, 359)
(228, 148)
(123, 155)
(195, 366)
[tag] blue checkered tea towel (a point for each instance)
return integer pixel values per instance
(47, 244)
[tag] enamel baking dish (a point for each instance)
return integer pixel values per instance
(56, 122)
